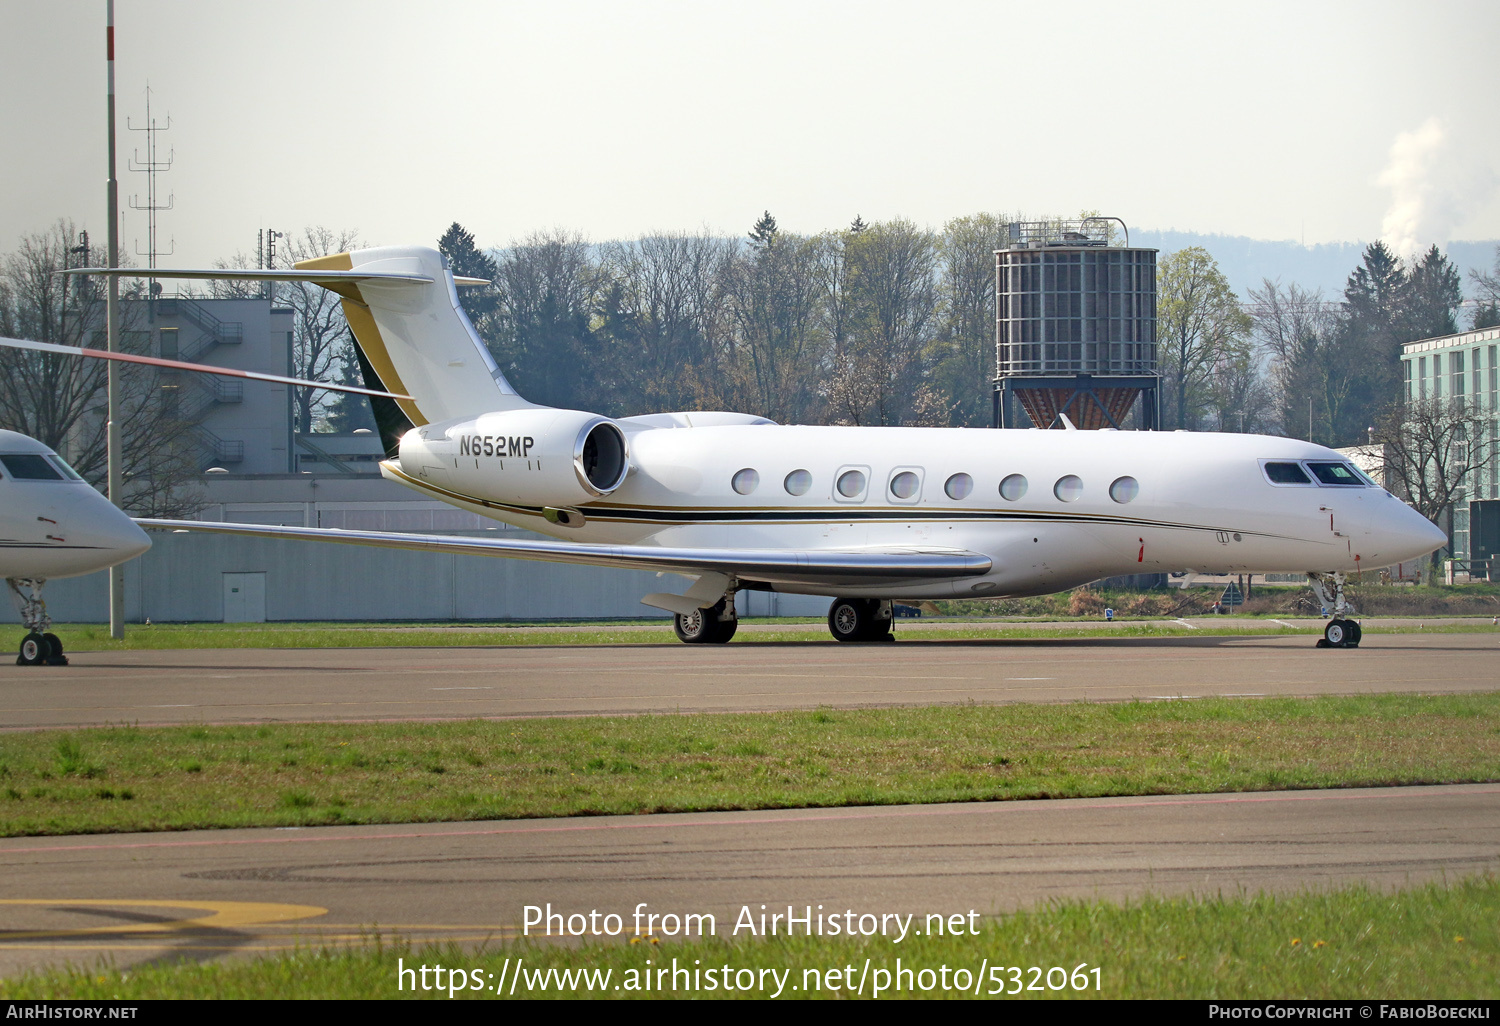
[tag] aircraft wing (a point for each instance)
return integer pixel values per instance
(777, 566)
(237, 274)
(202, 368)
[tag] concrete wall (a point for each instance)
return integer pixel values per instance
(182, 579)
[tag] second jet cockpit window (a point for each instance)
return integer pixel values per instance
(30, 467)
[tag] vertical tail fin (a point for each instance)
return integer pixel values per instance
(415, 338)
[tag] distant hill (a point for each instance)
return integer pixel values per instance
(1247, 262)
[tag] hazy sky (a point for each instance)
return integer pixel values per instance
(1324, 121)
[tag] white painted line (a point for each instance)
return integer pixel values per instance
(1030, 678)
(1185, 624)
(1285, 624)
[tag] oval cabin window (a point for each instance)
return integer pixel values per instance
(746, 481)
(904, 485)
(1013, 487)
(798, 482)
(1124, 489)
(1068, 488)
(959, 486)
(851, 484)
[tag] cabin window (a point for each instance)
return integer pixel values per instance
(905, 485)
(851, 484)
(1124, 489)
(1287, 473)
(29, 467)
(1068, 488)
(746, 481)
(1335, 474)
(798, 482)
(1013, 487)
(958, 486)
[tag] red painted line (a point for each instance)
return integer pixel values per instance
(109, 42)
(886, 812)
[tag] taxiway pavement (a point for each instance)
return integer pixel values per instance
(373, 684)
(213, 894)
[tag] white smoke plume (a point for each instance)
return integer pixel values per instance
(1432, 188)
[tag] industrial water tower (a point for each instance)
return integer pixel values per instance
(1075, 326)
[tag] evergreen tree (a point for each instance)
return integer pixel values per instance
(763, 232)
(467, 260)
(1433, 295)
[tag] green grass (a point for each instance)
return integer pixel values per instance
(177, 778)
(1435, 941)
(95, 637)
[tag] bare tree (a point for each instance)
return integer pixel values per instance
(1199, 326)
(879, 375)
(967, 359)
(321, 343)
(61, 400)
(1433, 452)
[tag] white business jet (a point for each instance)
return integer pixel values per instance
(52, 524)
(867, 515)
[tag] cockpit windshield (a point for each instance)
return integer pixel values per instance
(31, 466)
(1335, 474)
(1322, 474)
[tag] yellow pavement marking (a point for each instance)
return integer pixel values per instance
(224, 915)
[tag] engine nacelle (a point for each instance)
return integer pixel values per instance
(532, 457)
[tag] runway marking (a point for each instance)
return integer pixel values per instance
(1030, 678)
(225, 915)
(1185, 624)
(749, 819)
(1285, 624)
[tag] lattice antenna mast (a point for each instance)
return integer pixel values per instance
(149, 167)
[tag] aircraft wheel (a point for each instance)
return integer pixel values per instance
(1336, 633)
(34, 650)
(1355, 633)
(703, 626)
(56, 657)
(852, 619)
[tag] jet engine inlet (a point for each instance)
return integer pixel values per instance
(600, 457)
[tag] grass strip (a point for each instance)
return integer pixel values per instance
(95, 637)
(1433, 941)
(190, 777)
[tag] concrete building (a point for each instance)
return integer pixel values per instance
(1466, 368)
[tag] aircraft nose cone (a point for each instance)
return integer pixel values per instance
(1415, 535)
(116, 536)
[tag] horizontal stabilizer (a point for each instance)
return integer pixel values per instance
(201, 368)
(860, 567)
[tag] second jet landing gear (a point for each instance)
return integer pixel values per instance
(712, 626)
(1340, 632)
(38, 647)
(852, 619)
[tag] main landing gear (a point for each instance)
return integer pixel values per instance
(712, 626)
(852, 619)
(1339, 632)
(39, 646)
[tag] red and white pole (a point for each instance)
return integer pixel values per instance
(112, 329)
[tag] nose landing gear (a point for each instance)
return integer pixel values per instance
(1340, 632)
(39, 647)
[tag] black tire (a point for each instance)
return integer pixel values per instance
(851, 619)
(35, 650)
(56, 658)
(703, 626)
(1336, 633)
(1355, 633)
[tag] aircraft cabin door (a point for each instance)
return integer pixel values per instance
(245, 598)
